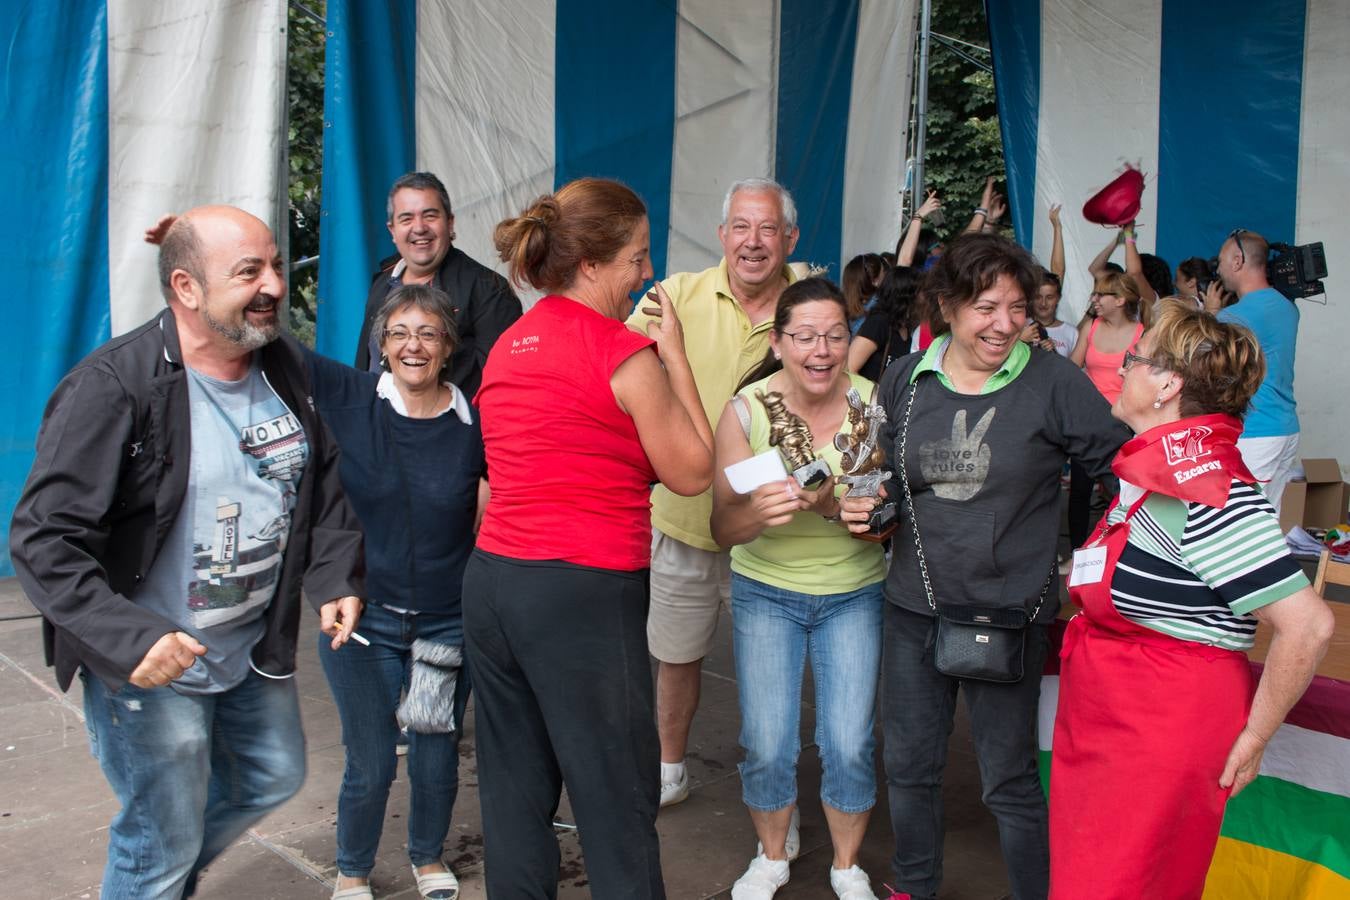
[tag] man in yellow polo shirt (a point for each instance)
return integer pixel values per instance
(726, 312)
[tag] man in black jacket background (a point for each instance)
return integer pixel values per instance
(183, 492)
(422, 226)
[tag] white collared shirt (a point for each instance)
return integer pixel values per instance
(388, 391)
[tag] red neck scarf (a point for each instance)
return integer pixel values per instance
(1194, 459)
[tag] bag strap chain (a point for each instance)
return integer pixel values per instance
(914, 522)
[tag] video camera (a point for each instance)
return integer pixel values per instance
(1295, 271)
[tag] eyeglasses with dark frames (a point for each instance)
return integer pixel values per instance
(1236, 237)
(1132, 358)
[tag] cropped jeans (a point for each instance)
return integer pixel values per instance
(776, 630)
(367, 683)
(192, 772)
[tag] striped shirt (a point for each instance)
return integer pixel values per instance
(1196, 572)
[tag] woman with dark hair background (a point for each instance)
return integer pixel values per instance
(1191, 272)
(862, 275)
(885, 333)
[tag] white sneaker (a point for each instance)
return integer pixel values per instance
(762, 880)
(792, 845)
(673, 792)
(851, 884)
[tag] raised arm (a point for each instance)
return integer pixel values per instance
(981, 214)
(909, 244)
(663, 400)
(1134, 267)
(1097, 267)
(1056, 243)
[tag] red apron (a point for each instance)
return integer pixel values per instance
(1144, 725)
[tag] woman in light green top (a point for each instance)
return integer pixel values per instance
(801, 586)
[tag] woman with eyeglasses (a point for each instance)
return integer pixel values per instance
(412, 466)
(1157, 723)
(801, 588)
(977, 430)
(1112, 328)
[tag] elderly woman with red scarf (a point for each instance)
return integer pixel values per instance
(1157, 723)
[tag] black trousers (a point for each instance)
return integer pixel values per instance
(558, 658)
(918, 705)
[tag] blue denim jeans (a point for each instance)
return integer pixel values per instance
(775, 631)
(366, 683)
(192, 772)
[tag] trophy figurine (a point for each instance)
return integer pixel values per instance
(792, 436)
(862, 459)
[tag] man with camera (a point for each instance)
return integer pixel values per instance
(1269, 442)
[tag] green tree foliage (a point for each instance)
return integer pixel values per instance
(304, 95)
(964, 144)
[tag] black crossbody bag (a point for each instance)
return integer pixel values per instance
(973, 642)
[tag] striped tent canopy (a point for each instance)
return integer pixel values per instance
(507, 99)
(116, 112)
(1236, 113)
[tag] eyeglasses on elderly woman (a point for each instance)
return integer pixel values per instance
(1132, 358)
(429, 336)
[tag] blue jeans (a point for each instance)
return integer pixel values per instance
(192, 772)
(366, 683)
(775, 631)
(917, 710)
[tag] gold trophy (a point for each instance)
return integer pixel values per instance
(792, 436)
(863, 459)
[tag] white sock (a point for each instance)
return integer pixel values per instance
(672, 772)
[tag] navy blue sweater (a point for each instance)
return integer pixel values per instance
(412, 482)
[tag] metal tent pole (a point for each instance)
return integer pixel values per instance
(921, 103)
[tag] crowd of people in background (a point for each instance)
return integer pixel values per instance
(546, 508)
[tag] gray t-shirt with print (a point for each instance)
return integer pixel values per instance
(218, 569)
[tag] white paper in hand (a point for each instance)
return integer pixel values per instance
(749, 474)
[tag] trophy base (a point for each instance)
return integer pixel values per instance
(880, 526)
(813, 474)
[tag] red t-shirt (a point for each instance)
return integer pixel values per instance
(569, 477)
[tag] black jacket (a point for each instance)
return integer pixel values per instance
(108, 482)
(485, 306)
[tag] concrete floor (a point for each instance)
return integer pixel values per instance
(55, 806)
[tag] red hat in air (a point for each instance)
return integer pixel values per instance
(1118, 202)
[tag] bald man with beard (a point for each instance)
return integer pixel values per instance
(183, 492)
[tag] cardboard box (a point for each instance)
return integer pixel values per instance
(1318, 502)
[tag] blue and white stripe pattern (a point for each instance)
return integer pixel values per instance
(508, 99)
(116, 112)
(1236, 112)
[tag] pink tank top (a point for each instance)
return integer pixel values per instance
(1104, 368)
